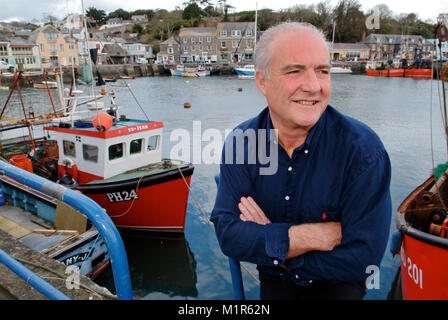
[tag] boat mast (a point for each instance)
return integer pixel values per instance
(256, 14)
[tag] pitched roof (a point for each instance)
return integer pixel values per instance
(229, 26)
(349, 46)
(197, 32)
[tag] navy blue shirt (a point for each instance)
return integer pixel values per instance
(341, 173)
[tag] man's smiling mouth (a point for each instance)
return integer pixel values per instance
(306, 102)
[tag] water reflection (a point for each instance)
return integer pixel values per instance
(161, 266)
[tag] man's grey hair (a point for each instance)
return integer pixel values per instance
(263, 54)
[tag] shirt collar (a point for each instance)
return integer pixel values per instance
(311, 134)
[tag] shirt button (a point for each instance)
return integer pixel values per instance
(306, 151)
(290, 169)
(310, 282)
(287, 198)
(276, 262)
(297, 276)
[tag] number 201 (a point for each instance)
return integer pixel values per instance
(415, 273)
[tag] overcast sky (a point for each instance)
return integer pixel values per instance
(27, 10)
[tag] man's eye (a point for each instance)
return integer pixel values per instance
(324, 71)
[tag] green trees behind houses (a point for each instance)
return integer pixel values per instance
(346, 17)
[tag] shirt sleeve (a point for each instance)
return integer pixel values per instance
(245, 240)
(365, 220)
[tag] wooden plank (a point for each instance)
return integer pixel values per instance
(50, 232)
(68, 218)
(13, 228)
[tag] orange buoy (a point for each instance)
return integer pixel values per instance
(187, 105)
(22, 161)
(102, 121)
(103, 91)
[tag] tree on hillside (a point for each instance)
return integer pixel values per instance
(350, 21)
(191, 11)
(120, 13)
(96, 14)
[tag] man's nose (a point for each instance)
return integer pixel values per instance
(311, 82)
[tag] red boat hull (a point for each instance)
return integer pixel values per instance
(376, 73)
(424, 261)
(152, 203)
(418, 73)
(407, 73)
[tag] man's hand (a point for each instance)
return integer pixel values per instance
(321, 236)
(250, 211)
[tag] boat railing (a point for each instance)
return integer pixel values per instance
(235, 271)
(94, 213)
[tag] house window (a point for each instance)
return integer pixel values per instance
(209, 39)
(90, 153)
(170, 50)
(236, 33)
(193, 48)
(235, 44)
(116, 151)
(248, 33)
(69, 148)
(136, 146)
(223, 44)
(248, 43)
(153, 143)
(200, 40)
(193, 40)
(185, 40)
(61, 47)
(223, 33)
(41, 47)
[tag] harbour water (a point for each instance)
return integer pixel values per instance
(192, 266)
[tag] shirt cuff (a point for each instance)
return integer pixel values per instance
(277, 241)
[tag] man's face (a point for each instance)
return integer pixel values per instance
(299, 85)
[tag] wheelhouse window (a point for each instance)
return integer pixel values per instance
(153, 142)
(90, 153)
(116, 151)
(136, 146)
(69, 148)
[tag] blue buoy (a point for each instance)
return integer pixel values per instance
(2, 197)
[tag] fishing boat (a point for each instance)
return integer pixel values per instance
(246, 72)
(114, 160)
(421, 238)
(51, 227)
(340, 70)
(390, 72)
(189, 72)
(416, 73)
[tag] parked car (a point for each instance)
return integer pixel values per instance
(6, 66)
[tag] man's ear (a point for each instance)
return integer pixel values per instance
(260, 80)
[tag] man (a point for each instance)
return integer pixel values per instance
(316, 225)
